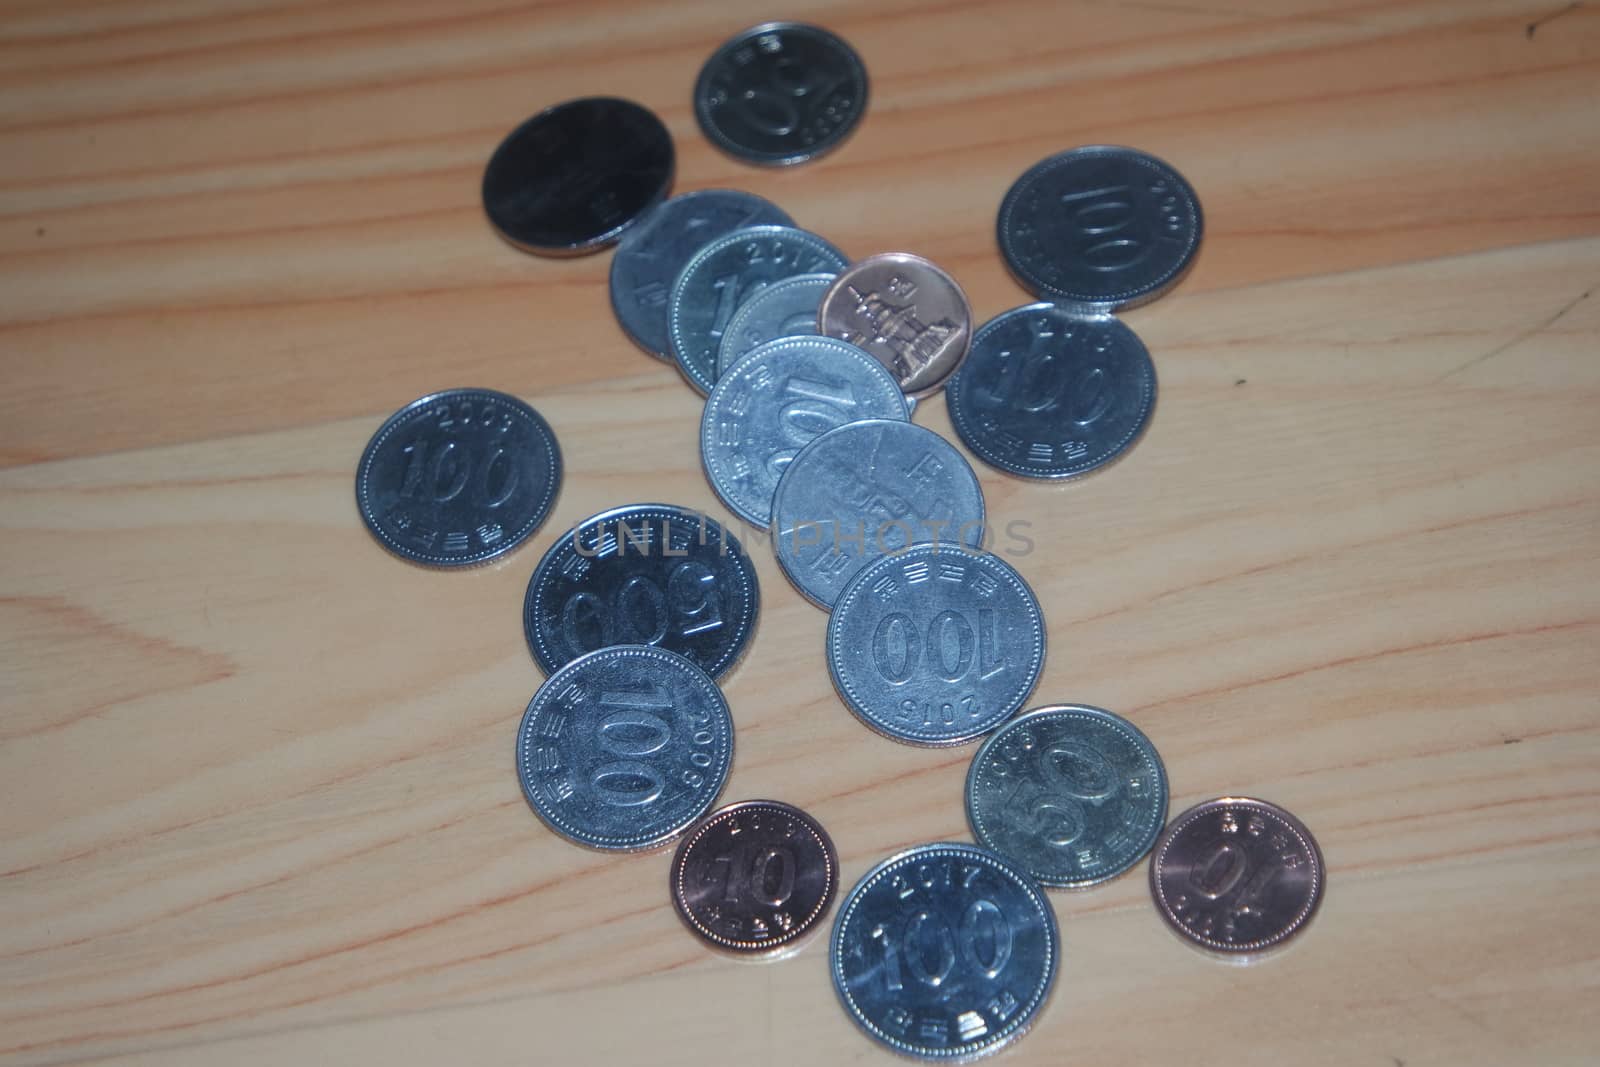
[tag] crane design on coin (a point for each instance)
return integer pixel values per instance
(458, 478)
(944, 952)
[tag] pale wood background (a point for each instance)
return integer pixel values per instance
(257, 802)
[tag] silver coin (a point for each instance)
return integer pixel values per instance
(866, 490)
(786, 308)
(782, 395)
(1075, 795)
(1047, 393)
(1100, 226)
(458, 478)
(625, 748)
(935, 645)
(724, 274)
(907, 312)
(780, 93)
(645, 574)
(944, 952)
(655, 250)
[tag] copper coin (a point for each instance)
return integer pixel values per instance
(908, 313)
(1236, 875)
(754, 878)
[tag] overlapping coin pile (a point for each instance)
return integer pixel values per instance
(811, 364)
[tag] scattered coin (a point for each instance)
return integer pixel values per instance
(458, 478)
(755, 878)
(624, 748)
(645, 574)
(727, 272)
(780, 93)
(573, 177)
(936, 645)
(1050, 394)
(782, 395)
(655, 250)
(1236, 875)
(944, 952)
(786, 308)
(1074, 795)
(1101, 226)
(907, 312)
(865, 490)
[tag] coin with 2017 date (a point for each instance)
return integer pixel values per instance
(780, 93)
(727, 272)
(575, 176)
(944, 952)
(905, 311)
(782, 395)
(755, 878)
(935, 645)
(786, 308)
(654, 251)
(644, 574)
(1050, 394)
(866, 490)
(1074, 794)
(624, 748)
(1237, 876)
(1100, 226)
(458, 478)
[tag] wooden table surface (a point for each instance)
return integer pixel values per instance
(257, 802)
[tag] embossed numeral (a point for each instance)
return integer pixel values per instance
(629, 732)
(952, 647)
(640, 613)
(928, 950)
(767, 878)
(441, 474)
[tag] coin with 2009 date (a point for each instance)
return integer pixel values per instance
(622, 749)
(458, 478)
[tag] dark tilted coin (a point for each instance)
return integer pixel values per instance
(458, 477)
(573, 177)
(1100, 226)
(1047, 393)
(624, 748)
(780, 93)
(1074, 794)
(653, 252)
(645, 574)
(755, 878)
(944, 952)
(1236, 875)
